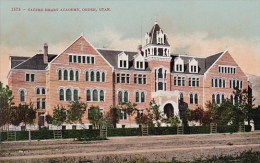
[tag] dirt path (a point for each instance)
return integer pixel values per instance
(185, 147)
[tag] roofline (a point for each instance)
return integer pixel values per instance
(22, 62)
(191, 56)
(215, 62)
(124, 50)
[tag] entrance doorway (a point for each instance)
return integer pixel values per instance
(168, 110)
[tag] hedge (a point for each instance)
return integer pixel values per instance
(88, 133)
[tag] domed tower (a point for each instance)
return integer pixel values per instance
(156, 43)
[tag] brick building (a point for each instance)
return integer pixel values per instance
(105, 78)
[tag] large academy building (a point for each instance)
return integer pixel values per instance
(105, 78)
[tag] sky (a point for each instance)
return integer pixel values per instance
(198, 28)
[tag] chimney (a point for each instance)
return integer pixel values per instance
(45, 54)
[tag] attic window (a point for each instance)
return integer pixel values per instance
(123, 64)
(179, 68)
(193, 66)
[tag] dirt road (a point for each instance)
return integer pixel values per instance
(181, 147)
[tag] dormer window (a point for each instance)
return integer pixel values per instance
(139, 61)
(179, 65)
(193, 66)
(122, 60)
(160, 37)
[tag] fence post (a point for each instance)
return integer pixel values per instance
(29, 135)
(213, 128)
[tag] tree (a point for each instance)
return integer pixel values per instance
(76, 111)
(23, 113)
(144, 119)
(59, 115)
(155, 113)
(95, 116)
(196, 115)
(174, 121)
(129, 108)
(112, 116)
(5, 104)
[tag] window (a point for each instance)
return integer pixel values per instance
(181, 97)
(92, 76)
(88, 95)
(30, 77)
(101, 95)
(139, 79)
(120, 96)
(136, 96)
(22, 96)
(139, 65)
(61, 95)
(142, 97)
(179, 81)
(77, 76)
(98, 76)
(87, 76)
(227, 70)
(193, 98)
(123, 64)
(179, 68)
(40, 91)
(123, 78)
(103, 77)
(60, 75)
(213, 98)
(71, 75)
(125, 96)
(41, 103)
(95, 95)
(81, 59)
(194, 82)
(68, 95)
(123, 115)
(218, 82)
(236, 83)
(65, 75)
(76, 95)
(218, 99)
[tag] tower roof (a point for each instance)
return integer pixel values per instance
(153, 35)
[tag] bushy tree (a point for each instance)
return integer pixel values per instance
(23, 113)
(95, 116)
(154, 113)
(5, 104)
(174, 121)
(129, 108)
(59, 116)
(112, 116)
(144, 118)
(76, 111)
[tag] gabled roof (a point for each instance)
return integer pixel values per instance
(35, 62)
(15, 60)
(203, 63)
(153, 34)
(112, 57)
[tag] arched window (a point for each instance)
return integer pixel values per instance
(213, 99)
(191, 98)
(125, 96)
(220, 83)
(77, 75)
(218, 99)
(65, 75)
(120, 97)
(88, 95)
(103, 77)
(196, 98)
(76, 95)
(71, 75)
(98, 76)
(68, 95)
(60, 75)
(136, 96)
(160, 75)
(92, 75)
(87, 76)
(101, 95)
(142, 97)
(181, 97)
(216, 82)
(22, 96)
(38, 91)
(43, 91)
(61, 95)
(95, 95)
(222, 98)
